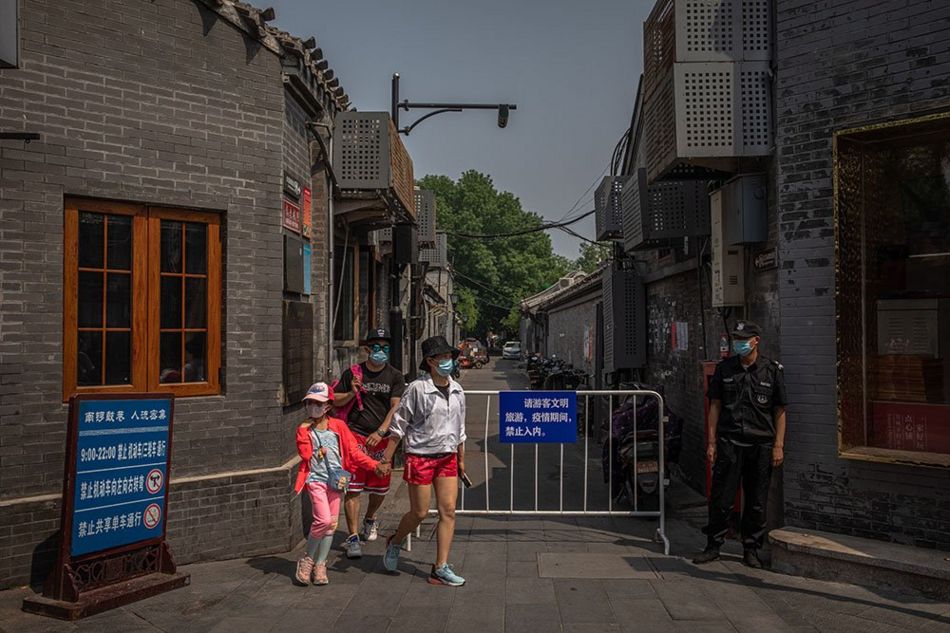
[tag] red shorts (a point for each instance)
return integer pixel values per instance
(421, 469)
(368, 480)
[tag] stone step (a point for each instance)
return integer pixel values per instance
(861, 561)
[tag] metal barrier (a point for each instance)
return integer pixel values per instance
(584, 509)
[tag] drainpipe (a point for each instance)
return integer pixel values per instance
(330, 281)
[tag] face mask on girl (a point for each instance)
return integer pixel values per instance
(446, 367)
(317, 410)
(742, 347)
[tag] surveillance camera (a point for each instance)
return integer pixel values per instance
(502, 115)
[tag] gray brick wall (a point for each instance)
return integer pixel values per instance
(566, 325)
(844, 64)
(160, 102)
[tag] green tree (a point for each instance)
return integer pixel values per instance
(492, 275)
(592, 255)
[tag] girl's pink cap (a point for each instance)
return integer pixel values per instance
(320, 392)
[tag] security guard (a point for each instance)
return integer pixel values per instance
(746, 439)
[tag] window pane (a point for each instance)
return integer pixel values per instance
(91, 227)
(196, 248)
(343, 331)
(89, 358)
(90, 300)
(171, 246)
(119, 300)
(171, 302)
(120, 242)
(118, 358)
(170, 357)
(195, 354)
(196, 314)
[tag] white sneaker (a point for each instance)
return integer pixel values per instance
(370, 531)
(352, 546)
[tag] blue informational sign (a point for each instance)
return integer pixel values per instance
(538, 417)
(121, 473)
(307, 250)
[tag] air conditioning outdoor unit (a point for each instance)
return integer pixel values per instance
(608, 208)
(625, 338)
(425, 215)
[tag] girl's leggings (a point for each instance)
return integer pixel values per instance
(326, 509)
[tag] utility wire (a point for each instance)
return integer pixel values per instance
(542, 227)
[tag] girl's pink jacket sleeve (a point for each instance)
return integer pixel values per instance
(352, 455)
(305, 450)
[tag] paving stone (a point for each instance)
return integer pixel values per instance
(582, 600)
(531, 617)
(696, 607)
(587, 565)
(519, 569)
(530, 591)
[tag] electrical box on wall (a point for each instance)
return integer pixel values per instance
(293, 264)
(405, 244)
(745, 208)
(625, 337)
(9, 34)
(728, 278)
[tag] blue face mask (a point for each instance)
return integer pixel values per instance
(380, 357)
(446, 367)
(742, 347)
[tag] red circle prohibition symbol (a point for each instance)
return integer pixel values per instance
(152, 515)
(154, 480)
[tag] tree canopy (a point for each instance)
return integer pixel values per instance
(492, 276)
(592, 255)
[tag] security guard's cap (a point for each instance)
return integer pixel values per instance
(746, 329)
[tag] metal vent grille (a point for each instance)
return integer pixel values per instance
(655, 215)
(385, 236)
(361, 148)
(708, 28)
(437, 255)
(608, 208)
(704, 114)
(755, 98)
(756, 29)
(624, 299)
(425, 215)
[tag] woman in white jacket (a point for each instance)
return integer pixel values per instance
(431, 422)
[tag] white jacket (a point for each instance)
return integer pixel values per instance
(430, 422)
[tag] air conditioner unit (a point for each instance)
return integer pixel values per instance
(608, 208)
(425, 215)
(728, 278)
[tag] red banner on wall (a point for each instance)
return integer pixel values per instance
(911, 426)
(291, 216)
(306, 212)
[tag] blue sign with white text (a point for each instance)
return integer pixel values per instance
(121, 473)
(537, 417)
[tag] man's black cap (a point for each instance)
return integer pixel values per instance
(378, 334)
(746, 329)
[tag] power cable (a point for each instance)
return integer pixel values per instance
(542, 227)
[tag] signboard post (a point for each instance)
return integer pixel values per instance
(112, 548)
(536, 417)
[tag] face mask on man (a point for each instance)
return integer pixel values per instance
(317, 410)
(379, 354)
(445, 367)
(742, 347)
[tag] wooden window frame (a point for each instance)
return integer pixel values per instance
(145, 291)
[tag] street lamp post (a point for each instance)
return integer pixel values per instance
(504, 109)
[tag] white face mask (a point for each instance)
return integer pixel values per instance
(317, 410)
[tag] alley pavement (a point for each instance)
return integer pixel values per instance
(596, 574)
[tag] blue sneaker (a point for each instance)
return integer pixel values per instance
(391, 558)
(445, 575)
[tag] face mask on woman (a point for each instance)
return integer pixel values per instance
(317, 410)
(445, 367)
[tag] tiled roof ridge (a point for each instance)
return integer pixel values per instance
(249, 19)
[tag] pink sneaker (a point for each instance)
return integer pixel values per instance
(304, 568)
(320, 574)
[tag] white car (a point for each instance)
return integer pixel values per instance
(511, 351)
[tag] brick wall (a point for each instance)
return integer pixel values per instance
(844, 64)
(160, 102)
(566, 328)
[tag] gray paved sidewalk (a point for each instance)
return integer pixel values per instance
(506, 590)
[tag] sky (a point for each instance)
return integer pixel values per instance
(571, 66)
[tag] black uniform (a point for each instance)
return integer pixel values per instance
(745, 436)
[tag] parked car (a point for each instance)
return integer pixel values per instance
(511, 350)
